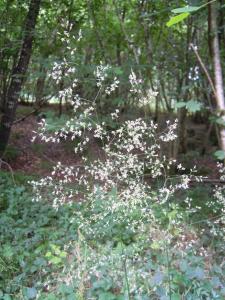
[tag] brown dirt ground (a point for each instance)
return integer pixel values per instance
(39, 157)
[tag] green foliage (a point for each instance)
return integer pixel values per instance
(192, 106)
(220, 154)
(183, 13)
(32, 238)
(177, 19)
(185, 9)
(109, 263)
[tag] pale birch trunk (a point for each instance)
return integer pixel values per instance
(218, 76)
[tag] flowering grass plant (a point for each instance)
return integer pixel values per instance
(132, 240)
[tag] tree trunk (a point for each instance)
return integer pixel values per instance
(180, 144)
(39, 91)
(221, 23)
(218, 76)
(18, 75)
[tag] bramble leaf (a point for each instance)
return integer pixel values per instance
(177, 19)
(186, 9)
(220, 154)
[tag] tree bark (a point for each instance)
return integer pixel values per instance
(18, 75)
(39, 91)
(180, 144)
(218, 76)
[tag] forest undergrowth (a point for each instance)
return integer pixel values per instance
(110, 233)
(178, 254)
(131, 224)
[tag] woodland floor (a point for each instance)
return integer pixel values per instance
(39, 157)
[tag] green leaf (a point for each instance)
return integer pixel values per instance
(48, 254)
(157, 278)
(7, 297)
(177, 19)
(62, 254)
(155, 245)
(175, 297)
(186, 9)
(8, 251)
(65, 289)
(56, 260)
(183, 265)
(51, 297)
(118, 71)
(193, 106)
(39, 261)
(31, 293)
(216, 283)
(56, 249)
(106, 296)
(220, 121)
(103, 284)
(199, 273)
(220, 154)
(71, 296)
(180, 104)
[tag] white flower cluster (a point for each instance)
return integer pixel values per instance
(101, 73)
(135, 83)
(57, 72)
(219, 194)
(131, 157)
(194, 73)
(148, 98)
(114, 85)
(74, 128)
(131, 152)
(61, 70)
(65, 94)
(170, 132)
(115, 114)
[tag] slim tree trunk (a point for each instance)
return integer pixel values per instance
(39, 90)
(18, 75)
(180, 144)
(221, 24)
(218, 76)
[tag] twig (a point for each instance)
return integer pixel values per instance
(218, 181)
(203, 180)
(204, 69)
(31, 113)
(207, 220)
(26, 116)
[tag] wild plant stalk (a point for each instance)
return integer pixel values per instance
(168, 270)
(126, 278)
